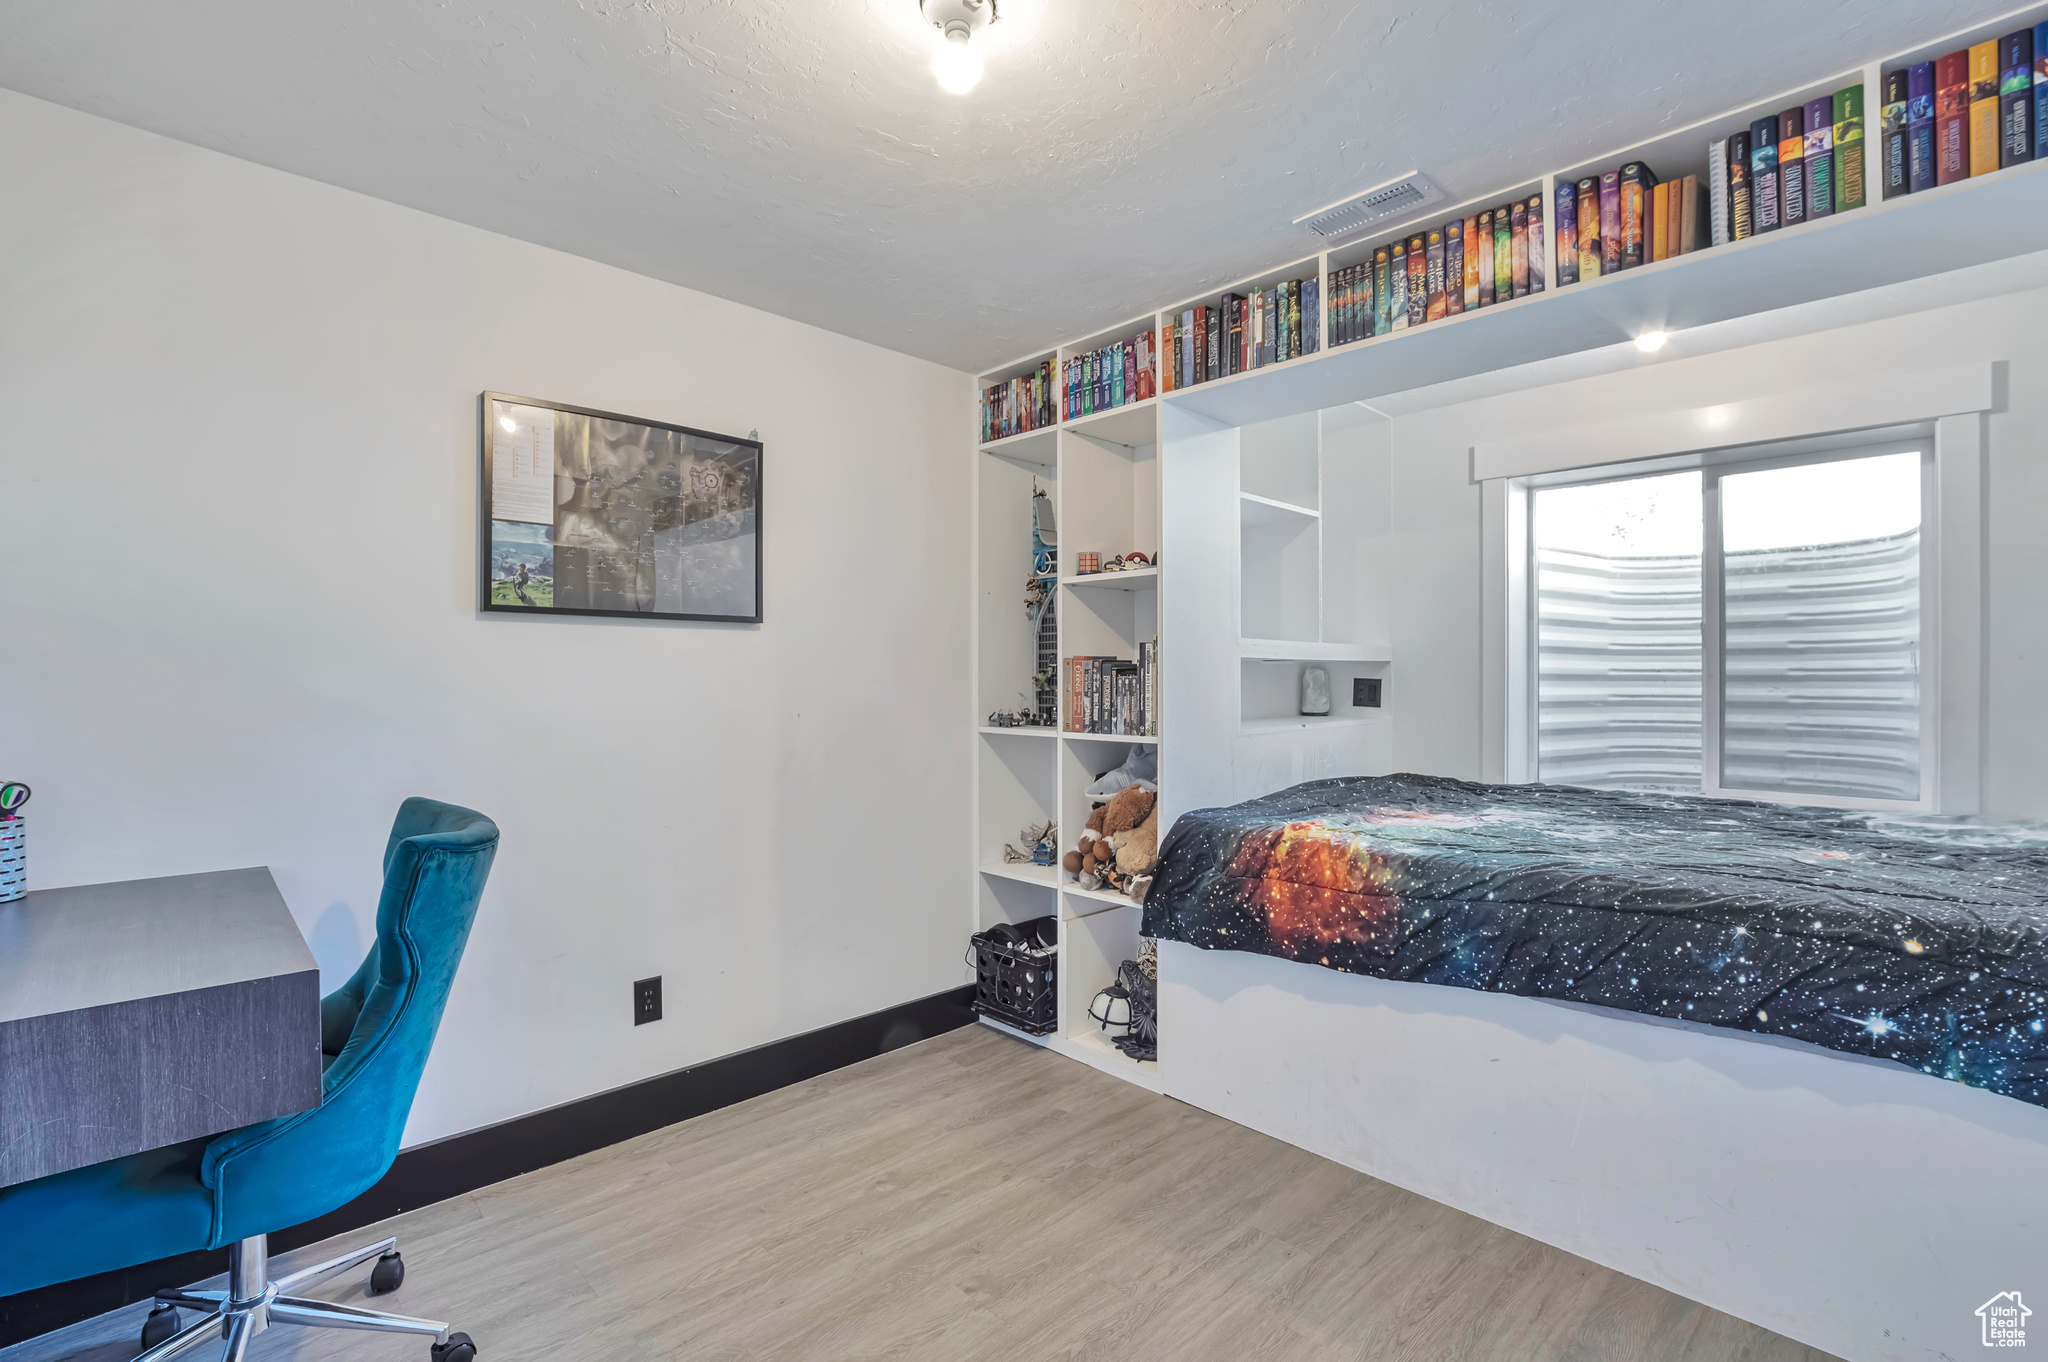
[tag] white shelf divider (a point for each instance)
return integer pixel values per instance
(1130, 579)
(1304, 650)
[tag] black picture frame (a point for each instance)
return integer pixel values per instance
(742, 459)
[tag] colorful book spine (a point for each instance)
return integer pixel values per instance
(1503, 254)
(1820, 157)
(1518, 244)
(1294, 331)
(1469, 231)
(1565, 224)
(2041, 91)
(1433, 278)
(1741, 222)
(1483, 255)
(1792, 166)
(1637, 182)
(1418, 279)
(1919, 127)
(1952, 118)
(1538, 253)
(1893, 177)
(1394, 311)
(1311, 315)
(2016, 98)
(1983, 108)
(1717, 193)
(1591, 254)
(1454, 267)
(1610, 222)
(1660, 213)
(1849, 148)
(1763, 175)
(1689, 217)
(1382, 293)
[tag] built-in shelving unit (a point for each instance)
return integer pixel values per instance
(1268, 491)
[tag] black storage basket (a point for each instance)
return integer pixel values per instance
(1014, 982)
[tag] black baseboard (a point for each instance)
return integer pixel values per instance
(477, 1158)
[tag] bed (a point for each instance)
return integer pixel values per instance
(1918, 940)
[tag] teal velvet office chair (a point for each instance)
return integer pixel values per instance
(235, 1189)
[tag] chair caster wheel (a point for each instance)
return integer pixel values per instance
(388, 1275)
(458, 1348)
(161, 1324)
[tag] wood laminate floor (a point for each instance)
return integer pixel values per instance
(974, 1197)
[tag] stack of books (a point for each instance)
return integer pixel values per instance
(1022, 404)
(1111, 376)
(1623, 218)
(1468, 263)
(1787, 168)
(1114, 696)
(1968, 113)
(1239, 332)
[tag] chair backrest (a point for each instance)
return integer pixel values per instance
(376, 1031)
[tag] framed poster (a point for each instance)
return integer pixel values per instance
(593, 513)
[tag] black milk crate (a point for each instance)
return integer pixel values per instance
(1014, 983)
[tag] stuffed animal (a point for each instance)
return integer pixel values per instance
(1138, 850)
(1095, 858)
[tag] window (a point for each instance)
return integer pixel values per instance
(1750, 627)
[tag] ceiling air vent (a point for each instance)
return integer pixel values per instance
(1396, 198)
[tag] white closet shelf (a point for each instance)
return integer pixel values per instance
(1025, 447)
(1132, 424)
(1887, 241)
(1094, 901)
(1261, 511)
(1040, 732)
(1300, 650)
(1303, 722)
(1110, 737)
(1047, 875)
(1135, 579)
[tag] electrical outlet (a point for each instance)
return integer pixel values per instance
(646, 1000)
(1365, 692)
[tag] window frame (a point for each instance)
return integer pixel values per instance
(1713, 465)
(1953, 400)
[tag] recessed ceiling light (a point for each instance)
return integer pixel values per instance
(1650, 342)
(957, 65)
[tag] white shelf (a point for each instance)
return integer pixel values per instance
(1304, 722)
(1300, 650)
(1264, 511)
(1131, 579)
(1024, 872)
(1110, 737)
(1097, 900)
(1094, 1048)
(1010, 1030)
(1043, 731)
(1134, 423)
(1033, 446)
(1885, 242)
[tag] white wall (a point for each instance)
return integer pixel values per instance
(1851, 1204)
(239, 480)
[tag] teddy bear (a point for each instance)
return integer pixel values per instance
(1130, 818)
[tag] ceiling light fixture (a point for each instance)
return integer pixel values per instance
(1650, 342)
(957, 65)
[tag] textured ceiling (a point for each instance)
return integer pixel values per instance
(798, 157)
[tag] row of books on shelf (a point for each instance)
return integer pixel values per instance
(1787, 168)
(1110, 376)
(1114, 695)
(1240, 332)
(1018, 405)
(1969, 113)
(1467, 263)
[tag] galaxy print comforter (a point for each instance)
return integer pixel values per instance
(1920, 940)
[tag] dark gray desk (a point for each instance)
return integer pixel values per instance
(139, 1014)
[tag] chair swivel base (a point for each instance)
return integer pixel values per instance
(252, 1303)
